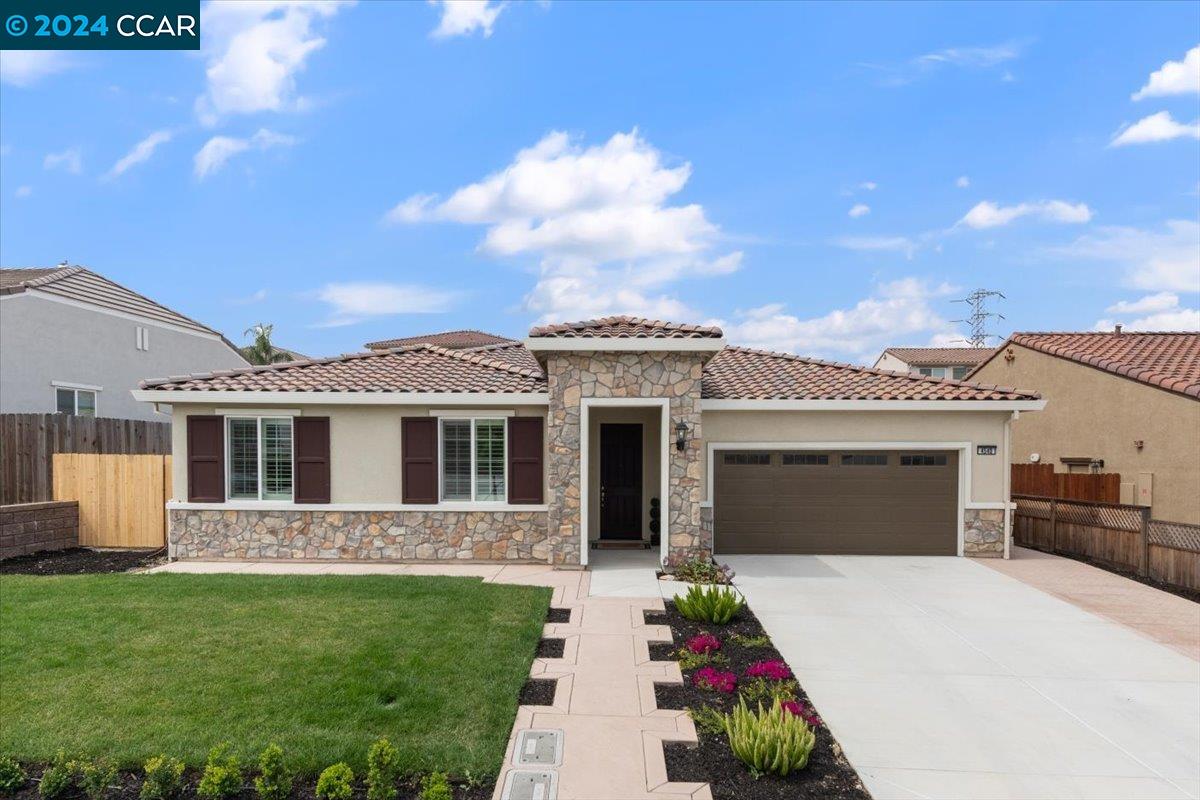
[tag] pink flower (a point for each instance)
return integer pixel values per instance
(714, 680)
(798, 709)
(704, 643)
(773, 670)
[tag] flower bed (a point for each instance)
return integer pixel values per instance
(742, 652)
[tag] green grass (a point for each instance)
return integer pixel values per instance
(128, 666)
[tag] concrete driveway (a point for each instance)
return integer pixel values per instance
(943, 678)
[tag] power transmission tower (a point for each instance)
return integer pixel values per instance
(979, 316)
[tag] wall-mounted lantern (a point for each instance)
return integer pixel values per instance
(681, 432)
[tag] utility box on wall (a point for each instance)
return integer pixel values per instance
(1145, 489)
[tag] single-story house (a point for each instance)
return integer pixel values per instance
(1119, 401)
(935, 362)
(580, 435)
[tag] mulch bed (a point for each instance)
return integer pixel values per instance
(558, 615)
(551, 648)
(537, 692)
(81, 561)
(828, 774)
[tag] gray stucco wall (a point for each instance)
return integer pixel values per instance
(45, 341)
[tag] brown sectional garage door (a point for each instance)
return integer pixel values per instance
(836, 501)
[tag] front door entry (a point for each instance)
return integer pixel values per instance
(620, 481)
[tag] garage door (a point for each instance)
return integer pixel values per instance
(836, 501)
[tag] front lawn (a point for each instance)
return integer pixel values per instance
(128, 666)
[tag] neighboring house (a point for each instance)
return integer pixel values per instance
(1118, 402)
(936, 362)
(74, 342)
(534, 450)
(452, 340)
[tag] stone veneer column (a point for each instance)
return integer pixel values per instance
(983, 532)
(572, 376)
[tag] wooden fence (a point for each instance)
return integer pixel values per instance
(1118, 535)
(1042, 481)
(121, 497)
(28, 443)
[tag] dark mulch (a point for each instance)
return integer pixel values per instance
(537, 692)
(1178, 591)
(80, 561)
(828, 774)
(558, 615)
(551, 648)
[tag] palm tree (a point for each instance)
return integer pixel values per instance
(262, 351)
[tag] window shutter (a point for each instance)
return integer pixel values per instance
(418, 459)
(526, 476)
(311, 459)
(205, 459)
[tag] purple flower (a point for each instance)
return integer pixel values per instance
(714, 680)
(704, 643)
(772, 670)
(798, 709)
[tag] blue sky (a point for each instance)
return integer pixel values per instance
(823, 179)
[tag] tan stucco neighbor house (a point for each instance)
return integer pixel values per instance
(936, 362)
(609, 432)
(1118, 401)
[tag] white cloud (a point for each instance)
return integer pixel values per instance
(896, 313)
(893, 244)
(1153, 260)
(1162, 301)
(597, 218)
(1174, 77)
(464, 17)
(217, 151)
(354, 302)
(1160, 127)
(142, 151)
(23, 191)
(250, 299)
(254, 50)
(25, 68)
(1163, 313)
(990, 215)
(859, 210)
(963, 182)
(868, 186)
(70, 159)
(988, 56)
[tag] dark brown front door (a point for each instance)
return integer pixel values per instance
(620, 481)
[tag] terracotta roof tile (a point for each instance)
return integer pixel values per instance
(941, 356)
(623, 327)
(738, 373)
(452, 339)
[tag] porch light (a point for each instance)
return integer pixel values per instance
(681, 432)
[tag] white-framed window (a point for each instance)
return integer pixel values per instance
(933, 372)
(960, 372)
(258, 458)
(472, 459)
(75, 400)
(143, 338)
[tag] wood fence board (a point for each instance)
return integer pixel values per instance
(1042, 481)
(121, 497)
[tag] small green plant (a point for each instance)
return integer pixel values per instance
(750, 642)
(336, 782)
(274, 781)
(758, 690)
(771, 740)
(712, 604)
(58, 778)
(163, 778)
(383, 769)
(436, 786)
(96, 778)
(708, 719)
(700, 570)
(222, 776)
(689, 661)
(12, 775)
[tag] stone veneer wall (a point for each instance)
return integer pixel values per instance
(368, 535)
(34, 527)
(983, 532)
(573, 376)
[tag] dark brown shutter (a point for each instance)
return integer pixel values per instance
(311, 458)
(205, 459)
(418, 459)
(525, 473)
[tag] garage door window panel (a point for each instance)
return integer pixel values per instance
(864, 459)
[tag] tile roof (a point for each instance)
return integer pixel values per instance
(1168, 360)
(452, 339)
(623, 327)
(941, 356)
(418, 368)
(514, 353)
(738, 373)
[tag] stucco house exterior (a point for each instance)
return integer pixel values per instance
(581, 436)
(1118, 401)
(75, 342)
(935, 362)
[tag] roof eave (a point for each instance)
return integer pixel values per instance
(1008, 404)
(205, 396)
(625, 344)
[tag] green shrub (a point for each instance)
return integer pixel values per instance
(336, 782)
(708, 719)
(689, 661)
(750, 642)
(713, 604)
(222, 774)
(383, 770)
(58, 778)
(436, 786)
(12, 775)
(96, 778)
(769, 741)
(163, 778)
(274, 781)
(758, 690)
(701, 570)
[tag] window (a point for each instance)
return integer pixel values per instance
(260, 458)
(805, 460)
(473, 459)
(924, 460)
(748, 459)
(143, 338)
(864, 459)
(81, 402)
(933, 372)
(961, 372)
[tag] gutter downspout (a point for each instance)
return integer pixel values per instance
(1008, 503)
